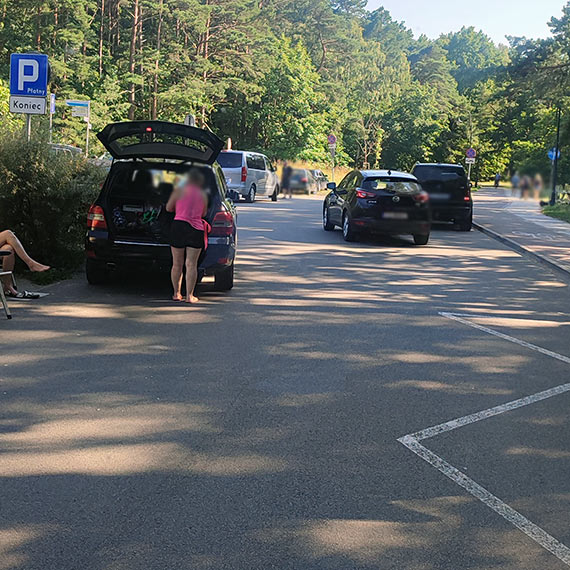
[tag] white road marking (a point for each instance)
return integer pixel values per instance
(537, 534)
(412, 442)
(455, 317)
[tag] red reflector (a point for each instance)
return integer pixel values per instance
(304, 180)
(96, 218)
(363, 194)
(223, 224)
(148, 129)
(243, 173)
(467, 198)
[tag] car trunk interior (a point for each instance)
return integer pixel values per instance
(136, 201)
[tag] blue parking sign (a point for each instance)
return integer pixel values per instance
(29, 74)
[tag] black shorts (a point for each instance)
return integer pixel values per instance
(182, 235)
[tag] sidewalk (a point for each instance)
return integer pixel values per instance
(521, 222)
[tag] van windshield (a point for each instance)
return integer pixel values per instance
(230, 159)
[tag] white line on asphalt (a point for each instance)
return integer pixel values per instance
(412, 442)
(533, 531)
(454, 317)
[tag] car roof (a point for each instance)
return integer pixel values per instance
(387, 174)
(446, 164)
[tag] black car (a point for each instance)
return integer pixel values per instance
(378, 201)
(449, 192)
(128, 225)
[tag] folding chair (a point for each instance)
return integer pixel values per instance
(2, 295)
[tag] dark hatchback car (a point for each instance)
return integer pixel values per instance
(449, 192)
(378, 201)
(128, 225)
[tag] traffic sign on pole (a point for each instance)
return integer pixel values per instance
(29, 74)
(81, 109)
(469, 160)
(28, 105)
(332, 139)
(552, 154)
(471, 153)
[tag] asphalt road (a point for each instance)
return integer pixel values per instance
(260, 429)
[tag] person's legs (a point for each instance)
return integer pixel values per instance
(8, 237)
(176, 272)
(192, 255)
(7, 264)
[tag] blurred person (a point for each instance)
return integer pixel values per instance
(515, 181)
(286, 180)
(188, 232)
(9, 242)
(525, 186)
(497, 179)
(537, 185)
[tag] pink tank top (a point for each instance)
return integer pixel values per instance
(190, 207)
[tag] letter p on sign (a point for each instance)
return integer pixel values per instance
(28, 72)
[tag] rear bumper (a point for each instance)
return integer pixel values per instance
(451, 212)
(373, 225)
(123, 254)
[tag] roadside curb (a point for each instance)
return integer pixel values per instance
(561, 270)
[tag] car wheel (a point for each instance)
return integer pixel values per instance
(250, 198)
(466, 226)
(348, 232)
(421, 239)
(224, 279)
(275, 194)
(327, 224)
(96, 272)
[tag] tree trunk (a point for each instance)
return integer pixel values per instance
(39, 28)
(157, 63)
(132, 52)
(101, 35)
(205, 54)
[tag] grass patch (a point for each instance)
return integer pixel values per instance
(559, 211)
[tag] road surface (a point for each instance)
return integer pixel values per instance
(263, 429)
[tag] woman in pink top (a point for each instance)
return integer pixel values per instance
(188, 233)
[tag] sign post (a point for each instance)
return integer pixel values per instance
(470, 160)
(51, 114)
(332, 147)
(29, 76)
(81, 109)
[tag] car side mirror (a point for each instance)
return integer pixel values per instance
(470, 185)
(331, 186)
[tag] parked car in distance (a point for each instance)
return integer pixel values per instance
(449, 192)
(302, 180)
(321, 179)
(378, 202)
(250, 175)
(128, 225)
(67, 149)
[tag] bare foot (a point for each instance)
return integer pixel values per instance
(177, 297)
(38, 267)
(192, 300)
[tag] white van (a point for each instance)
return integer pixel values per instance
(249, 174)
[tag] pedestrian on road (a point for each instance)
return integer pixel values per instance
(525, 186)
(9, 242)
(538, 186)
(286, 180)
(188, 233)
(497, 179)
(515, 180)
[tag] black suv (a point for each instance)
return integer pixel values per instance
(128, 225)
(378, 201)
(449, 192)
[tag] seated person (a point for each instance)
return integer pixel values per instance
(9, 242)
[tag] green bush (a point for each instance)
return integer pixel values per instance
(44, 198)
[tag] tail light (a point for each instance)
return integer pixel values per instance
(364, 194)
(243, 173)
(467, 198)
(421, 197)
(304, 180)
(96, 218)
(223, 224)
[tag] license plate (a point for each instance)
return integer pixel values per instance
(439, 196)
(395, 215)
